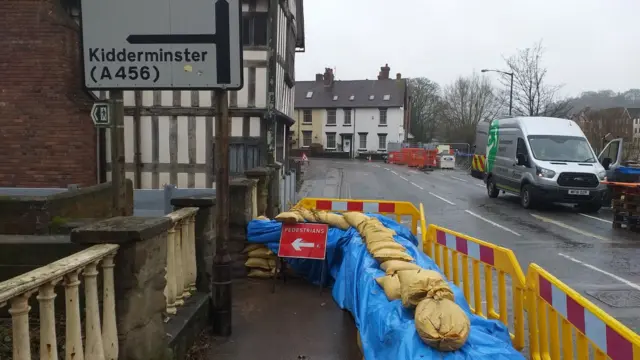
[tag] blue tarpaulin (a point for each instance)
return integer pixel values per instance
(386, 328)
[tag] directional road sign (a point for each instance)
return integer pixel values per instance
(162, 44)
(306, 241)
(100, 114)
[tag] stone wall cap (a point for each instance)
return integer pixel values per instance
(241, 182)
(258, 171)
(121, 230)
(276, 166)
(201, 201)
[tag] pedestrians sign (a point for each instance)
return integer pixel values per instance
(162, 44)
(304, 157)
(100, 114)
(305, 241)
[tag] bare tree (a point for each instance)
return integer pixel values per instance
(426, 107)
(468, 100)
(532, 96)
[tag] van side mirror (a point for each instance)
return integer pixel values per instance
(522, 160)
(606, 162)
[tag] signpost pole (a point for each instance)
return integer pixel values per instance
(222, 261)
(117, 152)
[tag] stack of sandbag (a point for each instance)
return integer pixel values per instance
(439, 321)
(261, 261)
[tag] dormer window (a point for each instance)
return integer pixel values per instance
(352, 97)
(309, 94)
(387, 97)
(335, 97)
(371, 97)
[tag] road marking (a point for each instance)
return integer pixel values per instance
(492, 223)
(457, 178)
(481, 185)
(376, 165)
(414, 172)
(622, 280)
(393, 172)
(416, 185)
(596, 218)
(387, 169)
(441, 198)
(403, 178)
(569, 227)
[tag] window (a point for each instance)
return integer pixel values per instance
(309, 94)
(352, 97)
(306, 138)
(335, 97)
(386, 97)
(363, 141)
(331, 140)
(306, 117)
(521, 147)
(331, 117)
(254, 29)
(371, 97)
(382, 141)
(347, 117)
(383, 117)
(561, 148)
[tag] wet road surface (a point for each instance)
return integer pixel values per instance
(582, 250)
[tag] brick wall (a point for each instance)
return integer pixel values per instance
(47, 138)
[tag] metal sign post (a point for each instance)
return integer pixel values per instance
(163, 44)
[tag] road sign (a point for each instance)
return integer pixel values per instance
(162, 44)
(306, 241)
(100, 114)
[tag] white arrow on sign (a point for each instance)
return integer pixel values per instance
(298, 244)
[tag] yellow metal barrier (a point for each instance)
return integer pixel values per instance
(398, 208)
(452, 250)
(557, 313)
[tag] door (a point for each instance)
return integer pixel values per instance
(520, 167)
(610, 156)
(346, 145)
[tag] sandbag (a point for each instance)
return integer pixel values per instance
(289, 217)
(442, 324)
(305, 213)
(391, 286)
(371, 237)
(416, 285)
(262, 217)
(393, 266)
(388, 254)
(332, 219)
(373, 247)
(249, 248)
(263, 253)
(266, 264)
(355, 218)
(261, 274)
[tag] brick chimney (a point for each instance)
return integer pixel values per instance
(398, 76)
(328, 77)
(384, 72)
(320, 77)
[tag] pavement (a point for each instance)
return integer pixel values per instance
(582, 250)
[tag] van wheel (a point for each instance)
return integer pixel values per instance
(492, 190)
(526, 199)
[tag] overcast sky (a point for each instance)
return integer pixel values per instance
(589, 44)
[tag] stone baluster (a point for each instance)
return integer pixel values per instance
(109, 324)
(48, 341)
(179, 268)
(186, 266)
(73, 333)
(193, 263)
(170, 290)
(94, 349)
(20, 326)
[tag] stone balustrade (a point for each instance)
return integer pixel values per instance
(181, 258)
(100, 340)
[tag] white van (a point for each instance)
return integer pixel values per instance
(543, 160)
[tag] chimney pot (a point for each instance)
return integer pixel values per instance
(319, 77)
(399, 76)
(328, 77)
(384, 72)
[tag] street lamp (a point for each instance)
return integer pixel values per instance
(510, 91)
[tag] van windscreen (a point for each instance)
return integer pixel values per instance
(561, 148)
